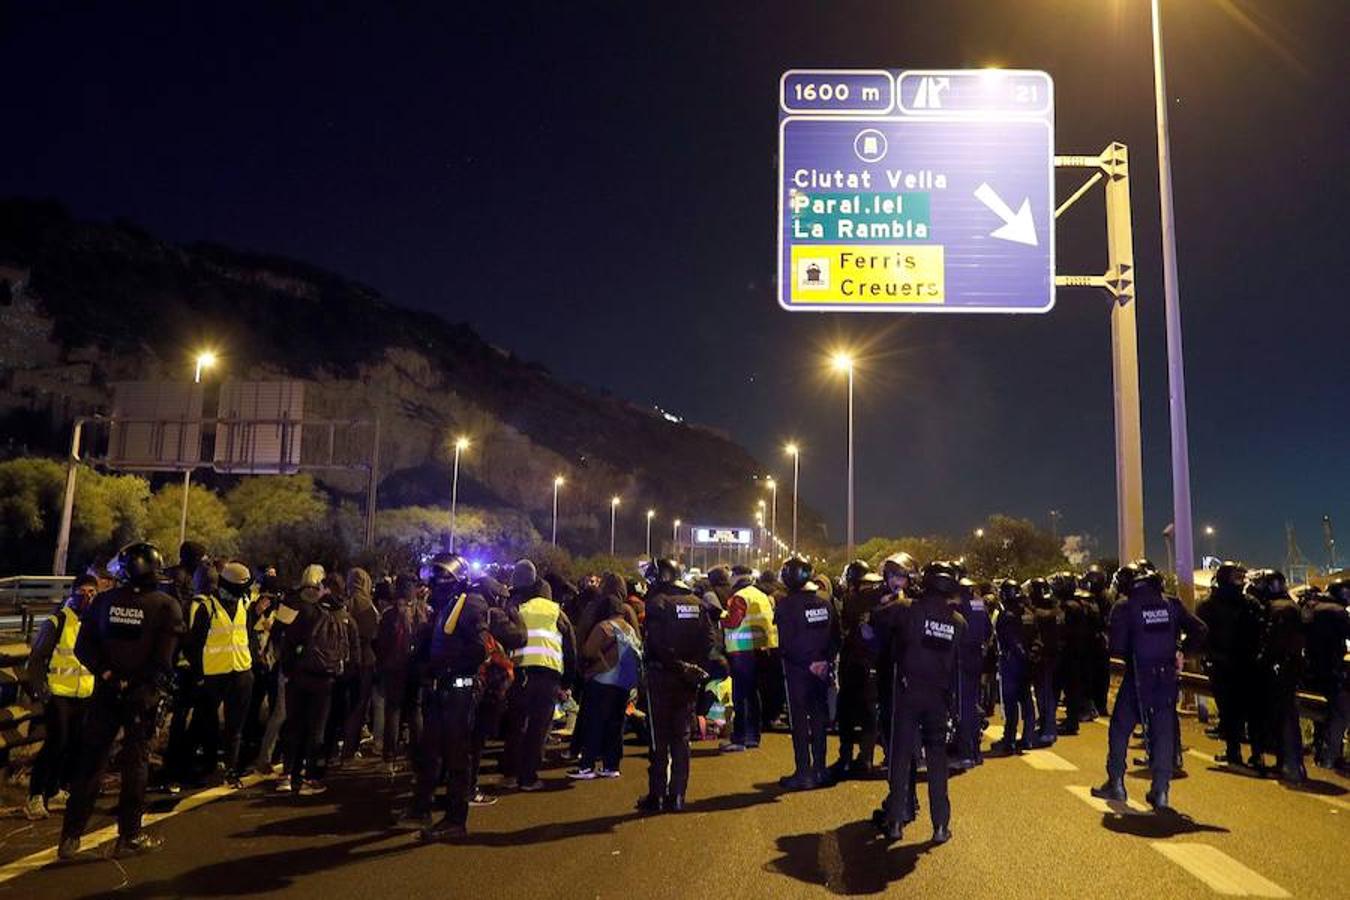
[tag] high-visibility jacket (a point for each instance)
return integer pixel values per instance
(756, 631)
(543, 644)
(66, 677)
(226, 648)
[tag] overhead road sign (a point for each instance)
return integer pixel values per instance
(156, 426)
(916, 191)
(721, 536)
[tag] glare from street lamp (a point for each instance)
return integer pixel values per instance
(559, 481)
(614, 501)
(651, 513)
(842, 362)
(677, 523)
(206, 359)
(979, 532)
(461, 443)
(770, 483)
(792, 450)
(1209, 531)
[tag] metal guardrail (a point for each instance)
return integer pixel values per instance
(1313, 705)
(27, 596)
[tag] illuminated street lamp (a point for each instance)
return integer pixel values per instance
(558, 482)
(1210, 539)
(461, 444)
(204, 360)
(843, 362)
(795, 452)
(979, 533)
(675, 538)
(651, 514)
(613, 513)
(773, 506)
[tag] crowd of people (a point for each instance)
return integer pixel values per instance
(248, 672)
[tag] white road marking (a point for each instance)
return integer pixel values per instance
(1332, 801)
(93, 839)
(1084, 793)
(1220, 871)
(1047, 761)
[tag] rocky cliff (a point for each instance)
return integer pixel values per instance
(84, 304)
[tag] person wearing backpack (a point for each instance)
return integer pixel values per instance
(612, 663)
(316, 648)
(395, 652)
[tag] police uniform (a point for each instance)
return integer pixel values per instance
(857, 710)
(1328, 644)
(1074, 661)
(808, 636)
(458, 647)
(1281, 668)
(680, 638)
(1146, 630)
(974, 639)
(127, 640)
(1015, 630)
(1234, 622)
(1046, 649)
(925, 638)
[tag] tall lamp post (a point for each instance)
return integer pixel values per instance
(675, 539)
(205, 360)
(461, 444)
(843, 362)
(651, 514)
(557, 483)
(613, 514)
(773, 507)
(1209, 537)
(795, 452)
(1176, 376)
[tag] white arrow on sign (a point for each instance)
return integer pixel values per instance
(1018, 226)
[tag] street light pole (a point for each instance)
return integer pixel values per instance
(613, 514)
(773, 509)
(796, 453)
(675, 540)
(843, 362)
(557, 483)
(1176, 376)
(460, 445)
(205, 360)
(651, 514)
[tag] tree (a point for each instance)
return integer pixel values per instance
(208, 520)
(1015, 548)
(487, 535)
(265, 502)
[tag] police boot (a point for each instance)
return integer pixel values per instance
(68, 849)
(649, 803)
(1113, 789)
(675, 803)
(942, 834)
(1295, 774)
(892, 831)
(1158, 799)
(444, 830)
(137, 845)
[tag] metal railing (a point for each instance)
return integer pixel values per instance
(22, 597)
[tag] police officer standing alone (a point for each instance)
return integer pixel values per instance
(808, 640)
(924, 637)
(458, 647)
(1147, 628)
(681, 635)
(127, 641)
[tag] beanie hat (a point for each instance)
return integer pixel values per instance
(524, 575)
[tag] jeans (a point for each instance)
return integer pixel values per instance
(603, 740)
(748, 716)
(63, 721)
(308, 699)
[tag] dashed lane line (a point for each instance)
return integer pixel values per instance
(92, 839)
(1047, 761)
(1220, 871)
(1330, 801)
(1084, 793)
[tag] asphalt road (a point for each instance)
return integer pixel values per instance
(1022, 826)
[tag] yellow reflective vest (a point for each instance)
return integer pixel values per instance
(66, 677)
(226, 648)
(756, 631)
(543, 645)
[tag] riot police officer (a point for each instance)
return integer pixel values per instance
(680, 639)
(1234, 623)
(1097, 601)
(458, 647)
(1328, 641)
(127, 640)
(857, 706)
(1280, 668)
(898, 573)
(808, 640)
(1077, 649)
(1045, 652)
(974, 641)
(1147, 627)
(925, 634)
(1014, 631)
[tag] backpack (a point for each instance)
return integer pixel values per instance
(328, 650)
(497, 671)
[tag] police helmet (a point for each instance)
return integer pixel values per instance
(1009, 591)
(1230, 575)
(445, 570)
(899, 565)
(856, 572)
(1094, 580)
(941, 576)
(1062, 584)
(796, 572)
(1268, 584)
(235, 579)
(138, 564)
(1141, 571)
(1339, 591)
(664, 571)
(967, 589)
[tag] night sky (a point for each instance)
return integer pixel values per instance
(592, 185)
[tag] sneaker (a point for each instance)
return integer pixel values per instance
(608, 773)
(35, 809)
(58, 800)
(311, 788)
(580, 774)
(137, 845)
(234, 782)
(444, 831)
(732, 747)
(172, 788)
(68, 849)
(284, 786)
(482, 799)
(530, 786)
